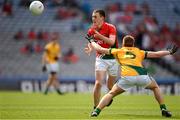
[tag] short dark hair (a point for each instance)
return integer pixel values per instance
(101, 12)
(128, 41)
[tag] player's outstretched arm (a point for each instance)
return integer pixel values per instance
(170, 51)
(99, 48)
(88, 49)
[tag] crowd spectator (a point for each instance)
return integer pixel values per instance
(32, 35)
(130, 8)
(19, 35)
(151, 23)
(37, 48)
(40, 35)
(64, 13)
(114, 7)
(27, 48)
(70, 56)
(176, 34)
(145, 8)
(7, 8)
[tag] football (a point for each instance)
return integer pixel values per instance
(36, 7)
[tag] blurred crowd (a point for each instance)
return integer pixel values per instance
(34, 40)
(148, 33)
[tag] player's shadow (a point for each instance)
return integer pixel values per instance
(131, 116)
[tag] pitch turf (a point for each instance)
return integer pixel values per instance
(16, 105)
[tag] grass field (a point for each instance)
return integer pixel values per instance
(16, 105)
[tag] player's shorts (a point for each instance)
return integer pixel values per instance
(53, 67)
(109, 65)
(128, 82)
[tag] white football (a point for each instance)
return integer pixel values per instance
(36, 7)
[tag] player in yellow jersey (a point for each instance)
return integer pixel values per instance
(50, 59)
(132, 72)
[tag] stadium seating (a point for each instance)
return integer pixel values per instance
(13, 63)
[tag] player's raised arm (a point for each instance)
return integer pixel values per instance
(109, 40)
(158, 54)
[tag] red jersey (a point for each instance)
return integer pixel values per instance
(105, 30)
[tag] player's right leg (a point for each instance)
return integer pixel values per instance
(110, 82)
(97, 87)
(106, 99)
(113, 68)
(100, 73)
(48, 84)
(157, 93)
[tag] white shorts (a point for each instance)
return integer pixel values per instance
(53, 67)
(128, 82)
(109, 65)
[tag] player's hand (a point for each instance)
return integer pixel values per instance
(172, 49)
(89, 38)
(97, 34)
(88, 49)
(44, 69)
(56, 58)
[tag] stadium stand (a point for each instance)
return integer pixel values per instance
(14, 63)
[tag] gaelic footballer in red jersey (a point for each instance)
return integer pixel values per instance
(105, 35)
(106, 30)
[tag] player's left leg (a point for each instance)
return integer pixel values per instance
(113, 68)
(106, 99)
(48, 83)
(56, 83)
(110, 82)
(156, 90)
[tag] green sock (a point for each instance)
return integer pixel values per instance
(46, 90)
(58, 91)
(97, 110)
(163, 107)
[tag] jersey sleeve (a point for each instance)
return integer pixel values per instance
(90, 31)
(143, 54)
(112, 30)
(114, 51)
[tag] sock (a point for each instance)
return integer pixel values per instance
(163, 107)
(58, 91)
(46, 90)
(97, 110)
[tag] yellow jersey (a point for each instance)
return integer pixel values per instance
(130, 59)
(52, 50)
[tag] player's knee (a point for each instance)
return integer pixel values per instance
(98, 84)
(109, 87)
(154, 87)
(113, 93)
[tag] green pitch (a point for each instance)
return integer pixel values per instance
(16, 105)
